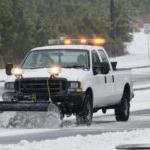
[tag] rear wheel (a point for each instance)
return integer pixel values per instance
(122, 111)
(85, 117)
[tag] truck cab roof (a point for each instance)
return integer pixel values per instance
(87, 47)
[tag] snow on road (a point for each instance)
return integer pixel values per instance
(141, 100)
(105, 141)
(4, 132)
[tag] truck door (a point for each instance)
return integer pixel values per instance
(99, 82)
(109, 80)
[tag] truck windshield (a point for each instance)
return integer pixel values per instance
(64, 58)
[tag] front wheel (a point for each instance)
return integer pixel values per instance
(122, 111)
(85, 117)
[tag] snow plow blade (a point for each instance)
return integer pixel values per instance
(24, 106)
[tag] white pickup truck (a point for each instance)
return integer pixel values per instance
(79, 79)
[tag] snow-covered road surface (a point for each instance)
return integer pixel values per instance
(105, 141)
(105, 134)
(101, 124)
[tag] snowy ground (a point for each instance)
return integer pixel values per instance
(137, 52)
(107, 141)
(141, 100)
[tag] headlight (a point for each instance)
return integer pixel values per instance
(17, 72)
(55, 70)
(75, 86)
(9, 85)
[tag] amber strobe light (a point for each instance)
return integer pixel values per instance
(83, 41)
(99, 41)
(67, 41)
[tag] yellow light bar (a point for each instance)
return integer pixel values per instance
(99, 41)
(67, 41)
(84, 41)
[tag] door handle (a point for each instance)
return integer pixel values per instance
(105, 78)
(113, 78)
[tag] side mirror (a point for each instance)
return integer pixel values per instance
(8, 69)
(105, 67)
(114, 65)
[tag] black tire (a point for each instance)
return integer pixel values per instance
(85, 117)
(122, 111)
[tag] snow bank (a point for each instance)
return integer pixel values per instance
(138, 52)
(105, 141)
(139, 43)
(132, 60)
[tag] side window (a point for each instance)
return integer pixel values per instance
(95, 63)
(95, 59)
(103, 56)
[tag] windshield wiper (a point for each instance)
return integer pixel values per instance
(36, 67)
(75, 66)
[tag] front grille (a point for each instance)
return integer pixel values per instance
(42, 87)
(57, 86)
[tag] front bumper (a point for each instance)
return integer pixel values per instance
(68, 103)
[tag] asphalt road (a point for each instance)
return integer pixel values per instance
(101, 124)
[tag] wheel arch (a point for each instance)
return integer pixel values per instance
(90, 91)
